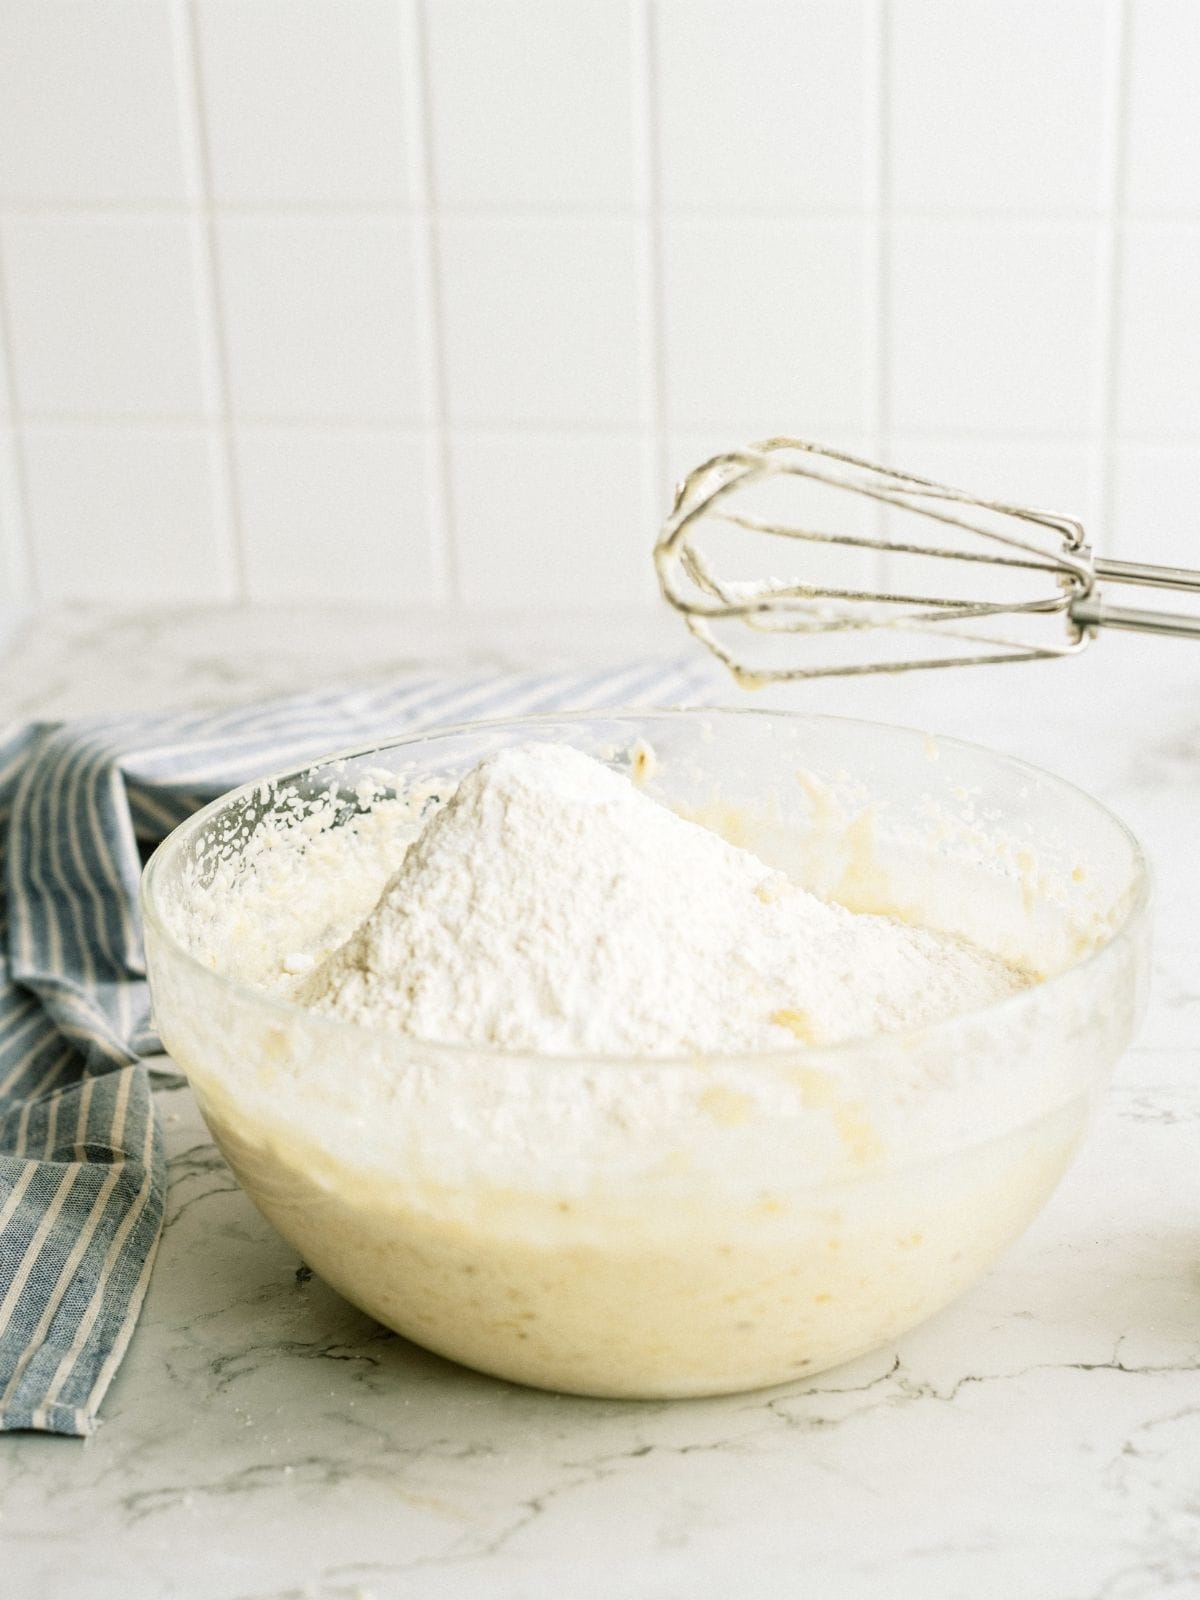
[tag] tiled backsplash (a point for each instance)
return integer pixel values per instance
(383, 300)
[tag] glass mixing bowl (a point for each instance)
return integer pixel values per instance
(649, 1227)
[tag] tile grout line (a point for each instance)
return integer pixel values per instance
(1112, 268)
(194, 132)
(23, 535)
(434, 321)
(332, 422)
(653, 287)
(878, 90)
(550, 427)
(511, 211)
(872, 241)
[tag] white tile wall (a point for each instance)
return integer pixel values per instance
(14, 556)
(998, 104)
(337, 514)
(551, 520)
(5, 383)
(321, 318)
(765, 320)
(88, 109)
(104, 315)
(541, 320)
(425, 300)
(762, 105)
(1155, 501)
(1159, 348)
(1164, 109)
(305, 103)
(531, 103)
(119, 512)
(993, 326)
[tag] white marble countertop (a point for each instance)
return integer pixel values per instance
(1038, 1440)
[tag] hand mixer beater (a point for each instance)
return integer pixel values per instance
(1010, 584)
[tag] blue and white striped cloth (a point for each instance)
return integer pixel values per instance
(82, 1172)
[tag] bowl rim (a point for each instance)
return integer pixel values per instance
(781, 1055)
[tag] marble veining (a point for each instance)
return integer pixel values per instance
(1038, 1439)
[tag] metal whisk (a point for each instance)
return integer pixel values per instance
(1026, 579)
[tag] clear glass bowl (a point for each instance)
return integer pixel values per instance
(649, 1227)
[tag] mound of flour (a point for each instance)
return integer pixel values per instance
(552, 906)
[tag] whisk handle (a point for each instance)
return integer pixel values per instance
(1153, 577)
(1096, 613)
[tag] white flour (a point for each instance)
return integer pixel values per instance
(551, 906)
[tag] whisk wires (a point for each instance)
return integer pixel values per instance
(1035, 544)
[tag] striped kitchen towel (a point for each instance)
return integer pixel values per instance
(82, 1173)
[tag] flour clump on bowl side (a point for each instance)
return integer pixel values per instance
(551, 906)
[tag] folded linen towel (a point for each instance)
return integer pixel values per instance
(82, 1172)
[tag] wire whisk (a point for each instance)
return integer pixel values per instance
(863, 593)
